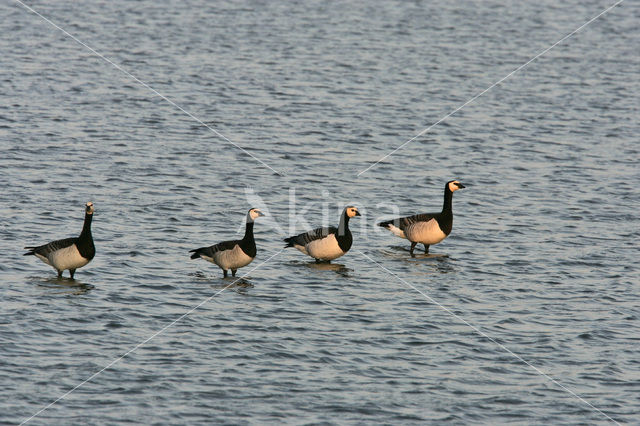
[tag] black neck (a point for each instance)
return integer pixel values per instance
(448, 196)
(86, 228)
(248, 243)
(343, 227)
(248, 231)
(85, 240)
(344, 234)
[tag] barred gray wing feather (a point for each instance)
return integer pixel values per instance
(46, 249)
(211, 250)
(405, 222)
(306, 237)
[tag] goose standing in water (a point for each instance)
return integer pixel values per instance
(327, 243)
(69, 253)
(232, 254)
(426, 228)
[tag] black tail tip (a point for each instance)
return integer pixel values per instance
(289, 241)
(195, 254)
(384, 224)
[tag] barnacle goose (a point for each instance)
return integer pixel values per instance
(327, 243)
(69, 253)
(232, 254)
(427, 228)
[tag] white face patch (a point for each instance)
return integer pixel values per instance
(352, 211)
(90, 207)
(453, 186)
(255, 213)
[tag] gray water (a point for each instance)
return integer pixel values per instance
(529, 315)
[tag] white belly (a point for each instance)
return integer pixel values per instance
(66, 258)
(425, 232)
(324, 249)
(231, 259)
(303, 249)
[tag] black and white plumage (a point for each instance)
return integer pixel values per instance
(327, 243)
(427, 228)
(69, 253)
(232, 254)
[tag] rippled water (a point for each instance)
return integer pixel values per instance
(542, 261)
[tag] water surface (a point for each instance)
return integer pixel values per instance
(542, 257)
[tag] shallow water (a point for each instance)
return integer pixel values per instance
(541, 263)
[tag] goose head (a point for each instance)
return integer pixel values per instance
(253, 214)
(351, 211)
(454, 185)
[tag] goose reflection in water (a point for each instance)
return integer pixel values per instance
(326, 266)
(69, 286)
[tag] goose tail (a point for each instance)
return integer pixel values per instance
(289, 241)
(385, 224)
(393, 226)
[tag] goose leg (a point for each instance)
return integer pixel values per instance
(224, 273)
(426, 248)
(71, 272)
(233, 272)
(59, 273)
(413, 245)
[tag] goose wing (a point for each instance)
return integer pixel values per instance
(46, 249)
(404, 222)
(307, 237)
(211, 250)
